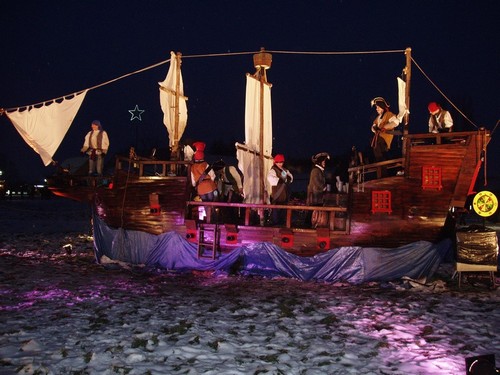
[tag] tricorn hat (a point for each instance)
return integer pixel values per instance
(218, 165)
(318, 158)
(380, 102)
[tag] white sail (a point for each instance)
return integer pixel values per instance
(249, 154)
(252, 116)
(248, 163)
(402, 109)
(43, 128)
(168, 92)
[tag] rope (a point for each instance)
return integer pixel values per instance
(336, 52)
(2, 110)
(443, 94)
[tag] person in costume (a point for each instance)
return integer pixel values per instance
(279, 178)
(229, 180)
(316, 188)
(382, 127)
(96, 145)
(202, 179)
(203, 175)
(440, 121)
(317, 181)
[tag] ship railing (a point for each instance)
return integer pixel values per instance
(438, 138)
(146, 167)
(337, 217)
(412, 140)
(363, 170)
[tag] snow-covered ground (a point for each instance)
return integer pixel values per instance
(61, 313)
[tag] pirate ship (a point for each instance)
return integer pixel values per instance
(437, 174)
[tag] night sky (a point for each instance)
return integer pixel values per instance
(320, 102)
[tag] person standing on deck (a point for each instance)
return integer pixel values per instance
(440, 121)
(279, 178)
(229, 180)
(384, 123)
(96, 145)
(203, 176)
(316, 188)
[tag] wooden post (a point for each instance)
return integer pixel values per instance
(175, 143)
(262, 62)
(261, 145)
(407, 72)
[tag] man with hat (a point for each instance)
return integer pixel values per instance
(229, 180)
(382, 127)
(279, 178)
(316, 187)
(203, 176)
(440, 121)
(96, 145)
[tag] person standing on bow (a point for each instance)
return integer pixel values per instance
(96, 145)
(440, 121)
(202, 177)
(382, 127)
(279, 178)
(316, 190)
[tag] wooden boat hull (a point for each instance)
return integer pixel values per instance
(415, 206)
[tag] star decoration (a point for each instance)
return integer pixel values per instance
(136, 113)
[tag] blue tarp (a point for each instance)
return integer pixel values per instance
(171, 251)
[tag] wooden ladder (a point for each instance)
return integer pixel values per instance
(208, 239)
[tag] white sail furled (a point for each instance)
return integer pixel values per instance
(402, 109)
(248, 163)
(253, 115)
(173, 102)
(43, 128)
(249, 160)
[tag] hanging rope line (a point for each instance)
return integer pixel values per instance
(90, 88)
(2, 110)
(336, 53)
(443, 94)
(317, 53)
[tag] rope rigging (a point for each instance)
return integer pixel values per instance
(442, 93)
(316, 53)
(2, 110)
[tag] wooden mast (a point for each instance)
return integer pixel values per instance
(175, 144)
(262, 62)
(407, 74)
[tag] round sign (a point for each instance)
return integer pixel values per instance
(485, 203)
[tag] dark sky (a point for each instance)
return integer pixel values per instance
(320, 103)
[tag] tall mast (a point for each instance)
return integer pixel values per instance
(175, 143)
(407, 76)
(262, 62)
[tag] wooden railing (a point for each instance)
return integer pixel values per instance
(143, 167)
(437, 138)
(374, 168)
(260, 208)
(411, 140)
